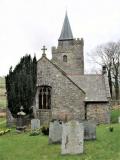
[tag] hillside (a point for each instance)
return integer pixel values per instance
(2, 93)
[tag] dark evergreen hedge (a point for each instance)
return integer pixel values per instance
(21, 85)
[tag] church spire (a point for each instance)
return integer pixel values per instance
(66, 33)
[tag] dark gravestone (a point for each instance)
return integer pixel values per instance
(20, 122)
(89, 130)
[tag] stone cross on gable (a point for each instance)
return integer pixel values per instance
(44, 49)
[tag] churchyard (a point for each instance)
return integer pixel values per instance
(21, 146)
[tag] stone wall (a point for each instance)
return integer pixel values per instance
(99, 112)
(75, 57)
(115, 104)
(66, 96)
(44, 116)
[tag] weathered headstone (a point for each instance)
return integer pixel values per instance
(119, 119)
(35, 124)
(72, 138)
(89, 130)
(55, 132)
(10, 120)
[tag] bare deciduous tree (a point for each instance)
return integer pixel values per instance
(109, 55)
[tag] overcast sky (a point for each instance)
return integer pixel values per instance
(27, 25)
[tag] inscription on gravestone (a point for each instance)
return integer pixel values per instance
(72, 138)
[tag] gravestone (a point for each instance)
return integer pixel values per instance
(119, 119)
(89, 130)
(55, 132)
(72, 138)
(35, 124)
(10, 120)
(20, 121)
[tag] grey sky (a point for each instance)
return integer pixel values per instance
(27, 25)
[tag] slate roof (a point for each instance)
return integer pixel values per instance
(66, 33)
(95, 86)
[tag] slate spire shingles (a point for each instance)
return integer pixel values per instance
(66, 33)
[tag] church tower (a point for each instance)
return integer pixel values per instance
(69, 53)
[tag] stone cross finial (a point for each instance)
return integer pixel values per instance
(44, 49)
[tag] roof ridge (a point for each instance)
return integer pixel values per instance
(64, 73)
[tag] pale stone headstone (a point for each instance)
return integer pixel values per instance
(72, 138)
(89, 130)
(35, 124)
(119, 119)
(55, 132)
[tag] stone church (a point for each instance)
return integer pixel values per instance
(63, 90)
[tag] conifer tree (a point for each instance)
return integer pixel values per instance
(21, 85)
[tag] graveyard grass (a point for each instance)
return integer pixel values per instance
(114, 115)
(15, 146)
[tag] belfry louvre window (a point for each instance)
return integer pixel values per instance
(64, 58)
(45, 97)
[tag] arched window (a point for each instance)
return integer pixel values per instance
(45, 97)
(64, 58)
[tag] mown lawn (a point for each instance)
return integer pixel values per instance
(114, 115)
(3, 102)
(15, 146)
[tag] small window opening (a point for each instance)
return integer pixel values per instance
(64, 58)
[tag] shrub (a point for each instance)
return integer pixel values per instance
(45, 129)
(111, 129)
(114, 116)
(4, 131)
(35, 132)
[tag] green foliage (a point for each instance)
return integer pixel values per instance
(114, 116)
(24, 147)
(21, 85)
(2, 102)
(45, 130)
(35, 132)
(2, 132)
(111, 129)
(2, 123)
(2, 93)
(2, 82)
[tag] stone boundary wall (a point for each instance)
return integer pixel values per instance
(115, 104)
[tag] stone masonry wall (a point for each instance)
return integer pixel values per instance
(98, 112)
(75, 56)
(66, 96)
